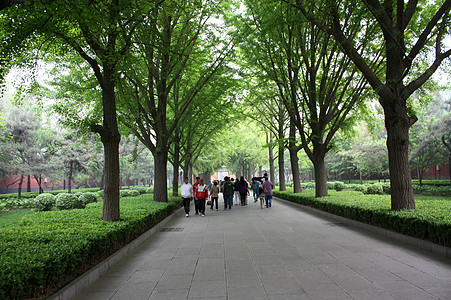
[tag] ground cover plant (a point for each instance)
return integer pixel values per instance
(45, 250)
(431, 220)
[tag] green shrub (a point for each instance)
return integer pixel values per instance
(48, 249)
(374, 189)
(87, 198)
(141, 189)
(14, 203)
(360, 188)
(78, 194)
(124, 193)
(45, 202)
(339, 186)
(68, 201)
(149, 190)
(308, 185)
(133, 193)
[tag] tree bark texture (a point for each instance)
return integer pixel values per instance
(281, 158)
(271, 159)
(19, 190)
(160, 190)
(110, 138)
(69, 179)
(397, 123)
(29, 183)
(294, 160)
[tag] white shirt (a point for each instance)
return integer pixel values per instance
(187, 190)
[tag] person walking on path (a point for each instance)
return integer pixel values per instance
(214, 194)
(196, 201)
(268, 186)
(228, 193)
(237, 190)
(254, 186)
(242, 189)
(187, 195)
(201, 194)
(261, 196)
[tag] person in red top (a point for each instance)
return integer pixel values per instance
(201, 194)
(196, 201)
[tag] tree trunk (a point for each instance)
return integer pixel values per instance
(397, 123)
(175, 180)
(160, 190)
(360, 176)
(281, 160)
(110, 138)
(29, 183)
(19, 190)
(320, 172)
(271, 159)
(176, 164)
(69, 180)
(294, 160)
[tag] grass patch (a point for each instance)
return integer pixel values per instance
(44, 251)
(13, 217)
(431, 220)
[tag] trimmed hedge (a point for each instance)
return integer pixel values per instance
(27, 195)
(48, 249)
(431, 220)
(45, 202)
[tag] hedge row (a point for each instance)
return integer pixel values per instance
(47, 200)
(28, 195)
(430, 220)
(48, 249)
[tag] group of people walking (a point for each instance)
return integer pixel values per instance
(201, 193)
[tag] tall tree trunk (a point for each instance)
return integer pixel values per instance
(281, 158)
(294, 160)
(271, 158)
(110, 138)
(69, 180)
(175, 180)
(29, 183)
(320, 172)
(19, 190)
(397, 123)
(176, 164)
(160, 190)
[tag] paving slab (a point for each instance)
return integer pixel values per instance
(282, 252)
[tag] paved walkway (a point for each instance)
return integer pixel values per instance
(282, 252)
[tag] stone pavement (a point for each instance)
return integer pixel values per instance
(282, 252)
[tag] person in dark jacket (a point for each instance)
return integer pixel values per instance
(228, 193)
(242, 189)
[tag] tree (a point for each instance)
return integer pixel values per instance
(409, 32)
(75, 26)
(168, 42)
(318, 85)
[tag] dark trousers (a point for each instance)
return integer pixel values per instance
(186, 202)
(213, 200)
(196, 205)
(243, 198)
(202, 206)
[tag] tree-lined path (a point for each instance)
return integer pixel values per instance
(279, 253)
